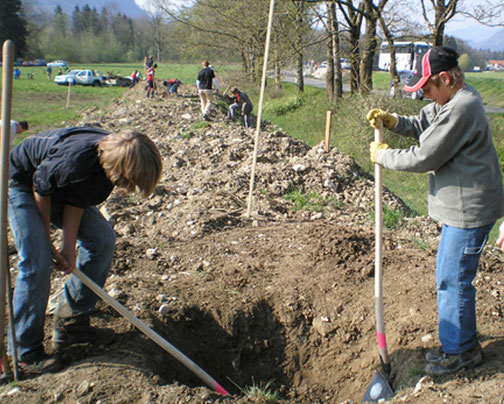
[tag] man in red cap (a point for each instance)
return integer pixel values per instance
(465, 193)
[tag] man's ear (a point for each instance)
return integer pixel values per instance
(445, 78)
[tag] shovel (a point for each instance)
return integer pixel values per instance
(379, 389)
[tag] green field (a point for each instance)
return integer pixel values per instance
(43, 103)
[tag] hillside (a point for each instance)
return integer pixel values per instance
(285, 297)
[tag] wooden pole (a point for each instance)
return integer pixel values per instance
(327, 137)
(7, 64)
(70, 82)
(259, 112)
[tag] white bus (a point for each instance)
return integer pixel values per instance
(407, 54)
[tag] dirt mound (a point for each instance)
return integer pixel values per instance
(285, 297)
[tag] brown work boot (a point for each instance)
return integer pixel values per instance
(40, 363)
(77, 330)
(445, 364)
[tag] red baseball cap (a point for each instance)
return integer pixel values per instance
(436, 60)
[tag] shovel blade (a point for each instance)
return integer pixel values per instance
(379, 389)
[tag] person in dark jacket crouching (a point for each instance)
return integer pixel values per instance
(58, 177)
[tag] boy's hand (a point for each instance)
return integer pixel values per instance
(500, 240)
(59, 261)
(389, 120)
(374, 147)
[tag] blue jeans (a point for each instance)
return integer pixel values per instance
(96, 242)
(173, 87)
(231, 111)
(456, 266)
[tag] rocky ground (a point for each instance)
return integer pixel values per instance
(281, 300)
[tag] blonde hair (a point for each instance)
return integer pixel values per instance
(130, 159)
(456, 77)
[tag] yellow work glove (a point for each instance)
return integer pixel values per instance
(374, 147)
(389, 120)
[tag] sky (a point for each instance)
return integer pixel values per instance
(461, 27)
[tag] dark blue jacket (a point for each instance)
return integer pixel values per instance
(64, 164)
(205, 77)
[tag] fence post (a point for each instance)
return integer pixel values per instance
(327, 138)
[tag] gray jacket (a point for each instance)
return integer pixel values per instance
(456, 148)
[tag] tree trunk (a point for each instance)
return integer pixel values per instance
(335, 41)
(370, 45)
(330, 55)
(298, 47)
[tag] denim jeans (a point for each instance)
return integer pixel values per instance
(456, 266)
(173, 87)
(96, 242)
(231, 111)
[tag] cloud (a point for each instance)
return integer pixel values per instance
(144, 4)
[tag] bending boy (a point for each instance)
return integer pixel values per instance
(58, 177)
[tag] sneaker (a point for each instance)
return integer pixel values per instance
(78, 331)
(449, 364)
(41, 363)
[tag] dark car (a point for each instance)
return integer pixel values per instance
(404, 77)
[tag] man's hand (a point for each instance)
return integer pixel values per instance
(374, 147)
(500, 240)
(389, 120)
(59, 261)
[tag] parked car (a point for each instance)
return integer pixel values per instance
(345, 63)
(83, 77)
(404, 77)
(57, 63)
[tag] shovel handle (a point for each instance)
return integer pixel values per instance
(154, 336)
(380, 321)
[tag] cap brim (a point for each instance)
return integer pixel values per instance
(416, 83)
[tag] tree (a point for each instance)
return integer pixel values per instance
(13, 25)
(444, 11)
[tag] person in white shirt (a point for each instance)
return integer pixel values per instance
(16, 127)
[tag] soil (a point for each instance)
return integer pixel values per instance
(281, 300)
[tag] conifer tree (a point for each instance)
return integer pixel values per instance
(13, 25)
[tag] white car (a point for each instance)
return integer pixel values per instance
(57, 63)
(83, 77)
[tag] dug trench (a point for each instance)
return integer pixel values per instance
(283, 299)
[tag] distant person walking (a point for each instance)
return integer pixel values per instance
(243, 103)
(17, 74)
(151, 71)
(49, 73)
(206, 77)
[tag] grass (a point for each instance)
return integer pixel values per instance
(311, 201)
(351, 133)
(260, 393)
(43, 103)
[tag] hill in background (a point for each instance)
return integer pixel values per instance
(128, 7)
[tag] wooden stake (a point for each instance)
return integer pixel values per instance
(327, 138)
(70, 82)
(7, 70)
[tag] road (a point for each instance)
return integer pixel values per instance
(310, 81)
